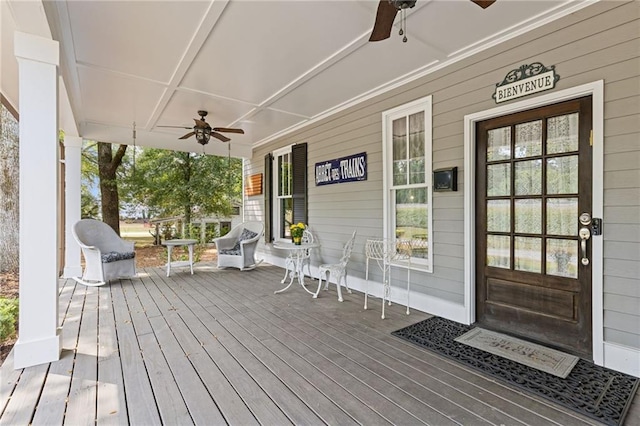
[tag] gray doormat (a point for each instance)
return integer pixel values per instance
(594, 391)
(539, 357)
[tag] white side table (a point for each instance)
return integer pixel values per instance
(170, 244)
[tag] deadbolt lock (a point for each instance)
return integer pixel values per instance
(585, 219)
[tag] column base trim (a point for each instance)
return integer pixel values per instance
(622, 358)
(34, 352)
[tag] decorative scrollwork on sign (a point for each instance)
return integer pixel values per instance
(525, 80)
(526, 71)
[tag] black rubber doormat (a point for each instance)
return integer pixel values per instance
(594, 391)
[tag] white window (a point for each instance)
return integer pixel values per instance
(407, 178)
(283, 197)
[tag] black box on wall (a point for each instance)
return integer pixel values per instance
(445, 179)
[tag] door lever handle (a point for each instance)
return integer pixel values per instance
(584, 235)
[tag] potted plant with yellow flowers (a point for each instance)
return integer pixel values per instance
(297, 229)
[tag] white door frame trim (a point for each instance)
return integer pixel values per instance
(596, 90)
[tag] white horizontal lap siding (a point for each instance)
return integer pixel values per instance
(599, 42)
(622, 184)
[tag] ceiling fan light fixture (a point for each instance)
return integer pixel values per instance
(203, 131)
(202, 134)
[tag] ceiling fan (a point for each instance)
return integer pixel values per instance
(386, 14)
(203, 131)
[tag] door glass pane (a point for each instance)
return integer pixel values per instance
(498, 216)
(499, 180)
(562, 175)
(411, 217)
(499, 144)
(528, 214)
(562, 216)
(416, 148)
(528, 254)
(562, 133)
(528, 177)
(400, 151)
(562, 258)
(528, 139)
(498, 251)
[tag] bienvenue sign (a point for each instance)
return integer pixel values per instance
(526, 80)
(345, 169)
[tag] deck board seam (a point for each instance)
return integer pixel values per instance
(307, 312)
(241, 300)
(328, 359)
(228, 303)
(216, 321)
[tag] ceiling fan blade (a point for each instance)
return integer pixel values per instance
(228, 130)
(384, 21)
(200, 123)
(188, 135)
(220, 136)
(177, 127)
(484, 3)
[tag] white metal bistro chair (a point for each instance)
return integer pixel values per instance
(106, 255)
(337, 271)
(385, 252)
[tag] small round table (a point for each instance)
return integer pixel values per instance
(298, 254)
(170, 244)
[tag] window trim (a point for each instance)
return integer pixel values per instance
(424, 104)
(276, 231)
(299, 187)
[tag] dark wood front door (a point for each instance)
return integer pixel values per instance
(533, 183)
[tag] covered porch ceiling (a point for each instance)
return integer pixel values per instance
(266, 66)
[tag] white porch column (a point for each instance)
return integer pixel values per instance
(39, 340)
(72, 151)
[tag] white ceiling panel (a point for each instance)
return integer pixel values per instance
(371, 66)
(267, 122)
(117, 99)
(259, 47)
(446, 24)
(143, 38)
(184, 105)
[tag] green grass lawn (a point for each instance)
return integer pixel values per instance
(137, 232)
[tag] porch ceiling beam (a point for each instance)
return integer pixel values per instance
(207, 23)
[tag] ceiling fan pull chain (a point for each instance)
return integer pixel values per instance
(403, 30)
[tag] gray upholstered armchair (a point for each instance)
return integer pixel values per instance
(106, 255)
(237, 249)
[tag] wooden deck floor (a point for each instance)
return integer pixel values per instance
(219, 347)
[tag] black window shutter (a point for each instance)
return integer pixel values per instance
(268, 198)
(299, 187)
